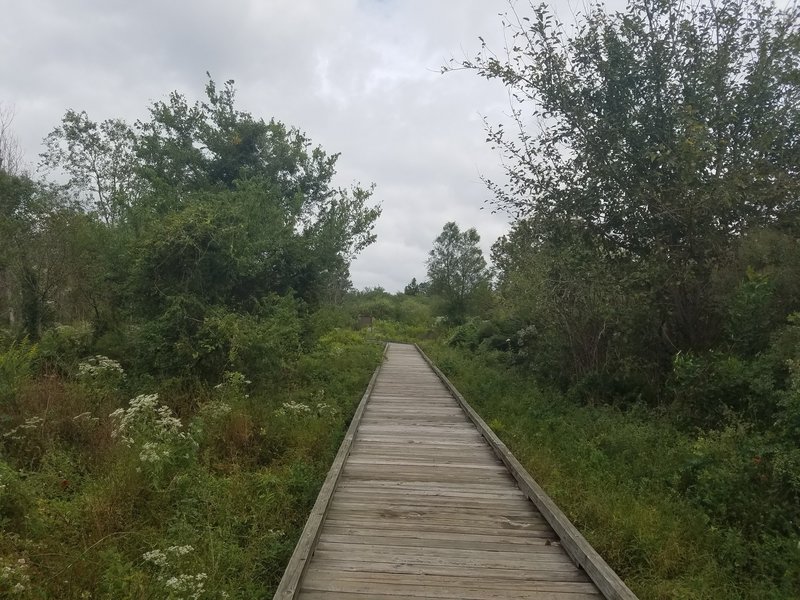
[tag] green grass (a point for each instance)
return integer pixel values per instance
(82, 515)
(627, 480)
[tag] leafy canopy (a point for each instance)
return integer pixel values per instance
(665, 129)
(219, 203)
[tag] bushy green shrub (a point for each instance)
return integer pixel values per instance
(751, 318)
(266, 343)
(64, 346)
(193, 341)
(748, 486)
(466, 334)
(713, 387)
(395, 331)
(325, 319)
(17, 365)
(15, 500)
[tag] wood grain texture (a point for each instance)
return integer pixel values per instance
(422, 505)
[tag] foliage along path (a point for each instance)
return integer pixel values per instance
(418, 505)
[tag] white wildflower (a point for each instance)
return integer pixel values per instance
(144, 415)
(194, 585)
(215, 409)
(294, 408)
(18, 432)
(152, 452)
(14, 574)
(157, 557)
(324, 408)
(180, 550)
(98, 366)
(32, 423)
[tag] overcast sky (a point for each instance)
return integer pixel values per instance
(360, 77)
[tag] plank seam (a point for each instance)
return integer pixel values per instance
(304, 550)
(573, 542)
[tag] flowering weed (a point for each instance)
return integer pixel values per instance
(14, 577)
(100, 375)
(154, 431)
(170, 566)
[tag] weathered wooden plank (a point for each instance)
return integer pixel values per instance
(471, 556)
(435, 490)
(435, 526)
(426, 485)
(320, 582)
(420, 451)
(432, 500)
(376, 456)
(425, 464)
(504, 519)
(541, 547)
(439, 533)
(519, 574)
(405, 511)
(430, 510)
(491, 582)
(425, 513)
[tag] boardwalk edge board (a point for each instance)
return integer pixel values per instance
(581, 552)
(303, 551)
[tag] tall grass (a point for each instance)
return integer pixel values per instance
(200, 492)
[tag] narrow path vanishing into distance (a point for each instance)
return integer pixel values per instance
(423, 501)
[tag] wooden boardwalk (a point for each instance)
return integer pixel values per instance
(418, 505)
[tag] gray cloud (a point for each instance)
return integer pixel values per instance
(359, 76)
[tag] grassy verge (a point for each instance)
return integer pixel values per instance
(197, 493)
(628, 481)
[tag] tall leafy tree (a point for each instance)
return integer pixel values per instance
(208, 160)
(412, 287)
(99, 161)
(456, 268)
(649, 141)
